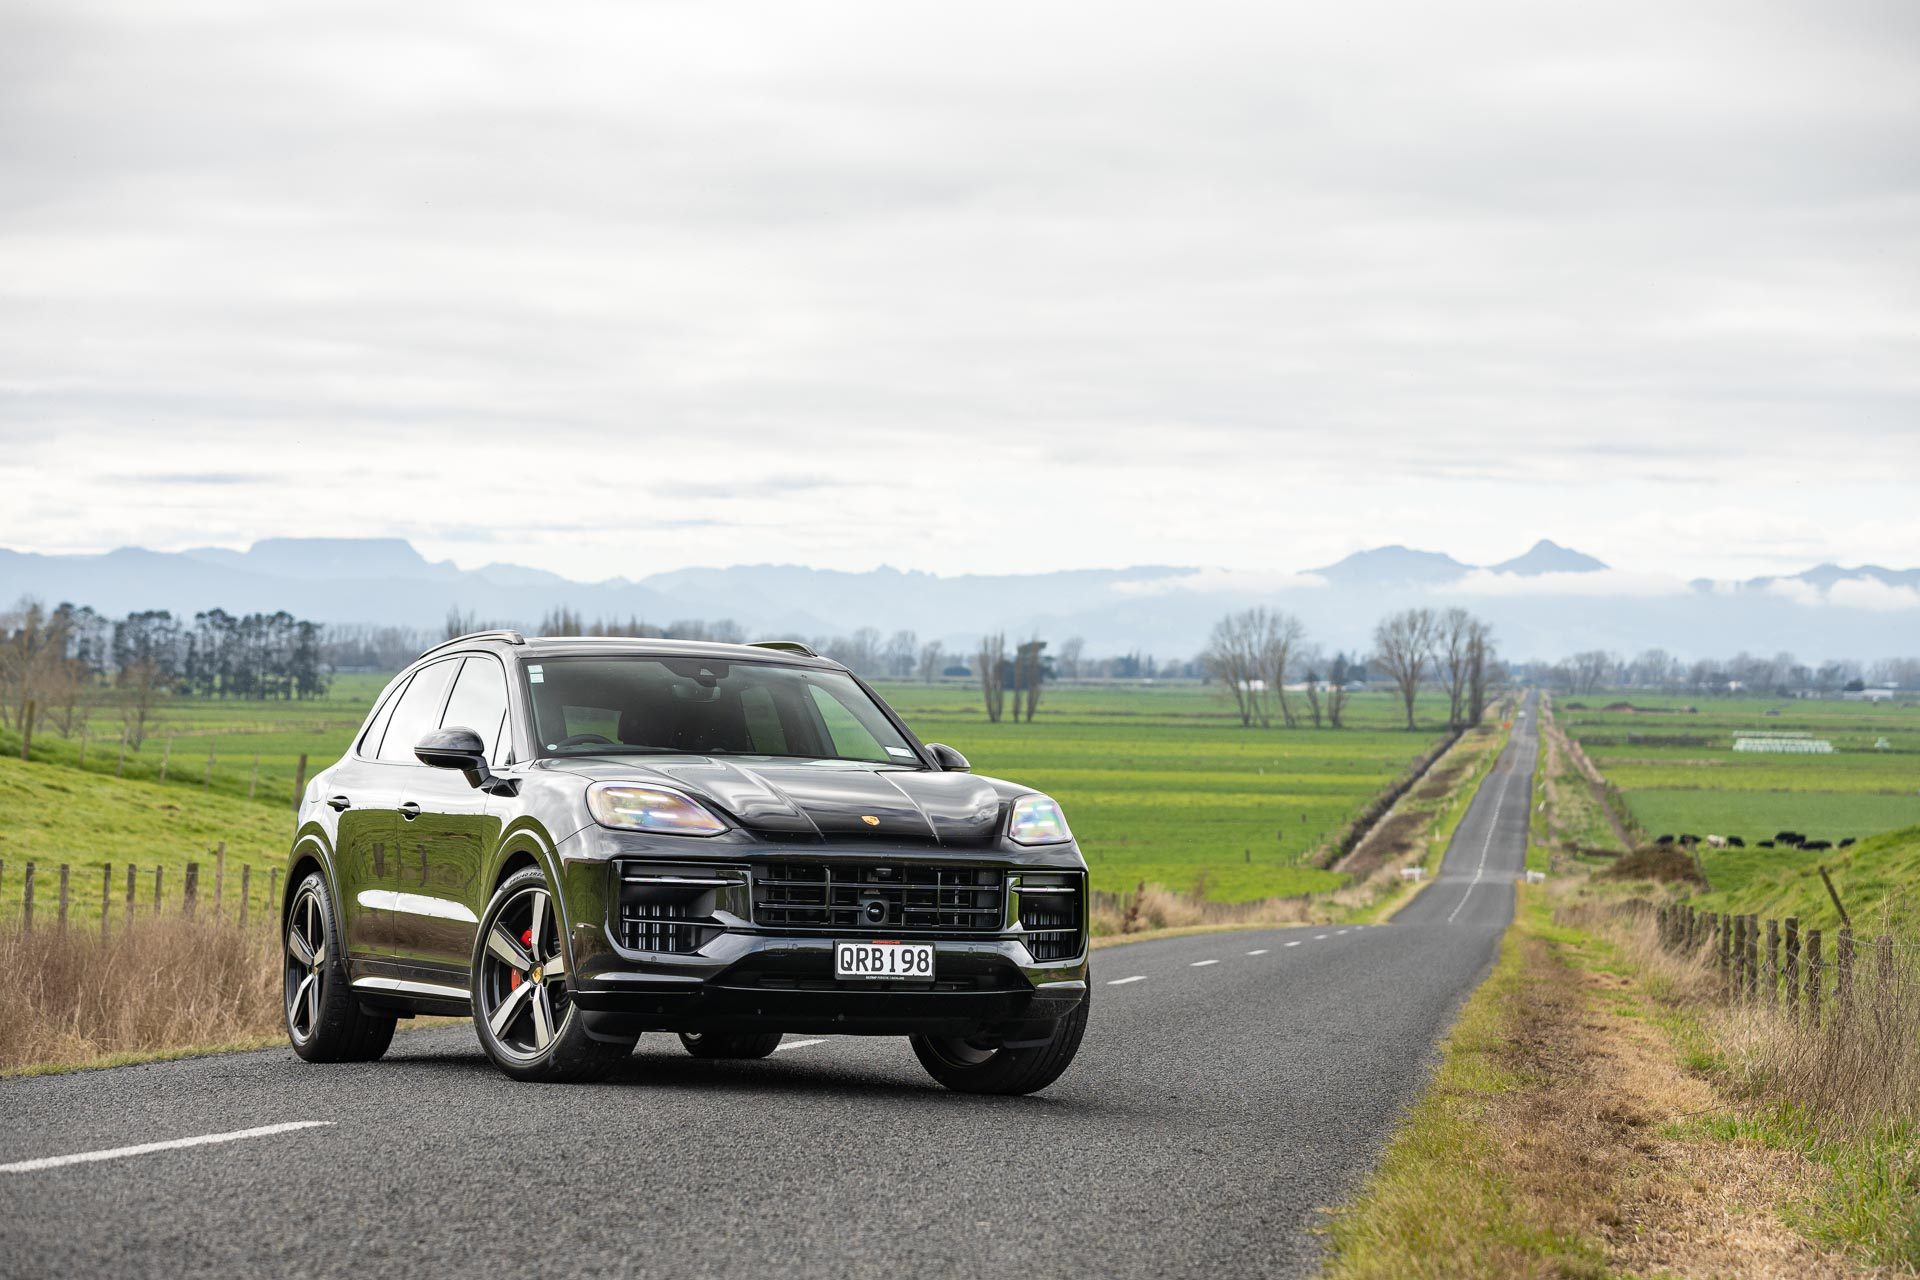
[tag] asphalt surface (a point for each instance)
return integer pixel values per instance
(1230, 1087)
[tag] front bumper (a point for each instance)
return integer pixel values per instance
(745, 974)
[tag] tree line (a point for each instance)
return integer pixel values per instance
(57, 660)
(1781, 674)
(1262, 655)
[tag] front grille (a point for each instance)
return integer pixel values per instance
(1050, 915)
(836, 895)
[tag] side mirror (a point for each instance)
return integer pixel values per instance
(948, 759)
(460, 748)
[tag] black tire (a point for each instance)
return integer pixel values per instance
(969, 1068)
(729, 1044)
(325, 1021)
(521, 1012)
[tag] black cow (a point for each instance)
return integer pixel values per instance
(1812, 846)
(1845, 843)
(1735, 842)
(1689, 840)
(1664, 840)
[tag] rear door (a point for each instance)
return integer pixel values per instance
(448, 831)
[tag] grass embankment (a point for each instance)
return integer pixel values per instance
(1878, 879)
(50, 815)
(1591, 1117)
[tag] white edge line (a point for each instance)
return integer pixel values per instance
(1121, 982)
(146, 1148)
(1201, 964)
(795, 1044)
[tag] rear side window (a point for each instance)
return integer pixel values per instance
(479, 701)
(418, 712)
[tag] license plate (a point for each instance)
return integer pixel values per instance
(912, 960)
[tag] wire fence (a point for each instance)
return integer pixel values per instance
(47, 894)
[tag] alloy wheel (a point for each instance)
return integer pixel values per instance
(523, 975)
(306, 963)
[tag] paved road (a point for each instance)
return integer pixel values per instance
(1229, 1087)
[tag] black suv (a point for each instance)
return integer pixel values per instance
(580, 840)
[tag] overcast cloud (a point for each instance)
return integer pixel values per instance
(615, 288)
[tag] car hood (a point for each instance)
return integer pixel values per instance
(830, 798)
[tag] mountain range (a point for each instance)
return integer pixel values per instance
(1546, 603)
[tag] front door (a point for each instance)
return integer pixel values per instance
(447, 832)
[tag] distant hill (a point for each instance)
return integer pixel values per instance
(1547, 602)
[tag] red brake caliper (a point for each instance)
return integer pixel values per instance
(526, 940)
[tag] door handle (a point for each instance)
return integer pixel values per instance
(339, 804)
(409, 811)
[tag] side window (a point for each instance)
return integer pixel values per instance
(418, 712)
(479, 701)
(851, 741)
(377, 728)
(765, 734)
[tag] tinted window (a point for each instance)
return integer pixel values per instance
(418, 712)
(479, 701)
(702, 706)
(377, 727)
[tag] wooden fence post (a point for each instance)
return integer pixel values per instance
(1843, 974)
(273, 893)
(246, 890)
(219, 876)
(299, 781)
(63, 897)
(132, 872)
(1773, 962)
(1813, 978)
(26, 903)
(26, 732)
(193, 887)
(1753, 958)
(106, 896)
(1726, 954)
(1793, 967)
(156, 888)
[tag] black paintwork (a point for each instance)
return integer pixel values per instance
(414, 851)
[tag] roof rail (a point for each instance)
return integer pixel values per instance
(785, 646)
(499, 633)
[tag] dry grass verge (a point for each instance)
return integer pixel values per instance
(157, 985)
(1552, 1141)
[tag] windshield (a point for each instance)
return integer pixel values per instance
(700, 706)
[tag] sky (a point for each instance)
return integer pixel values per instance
(615, 288)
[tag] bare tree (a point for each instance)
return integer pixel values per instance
(1339, 675)
(1313, 662)
(1234, 657)
(1457, 637)
(1402, 643)
(930, 654)
(898, 659)
(1480, 674)
(1283, 636)
(992, 657)
(1070, 654)
(1591, 668)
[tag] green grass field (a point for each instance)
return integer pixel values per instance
(1680, 773)
(1160, 783)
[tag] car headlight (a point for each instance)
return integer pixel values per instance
(630, 806)
(1038, 820)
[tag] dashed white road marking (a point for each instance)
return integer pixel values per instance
(1341, 932)
(1293, 944)
(1121, 982)
(1320, 937)
(1258, 952)
(147, 1148)
(795, 1044)
(1201, 964)
(1493, 825)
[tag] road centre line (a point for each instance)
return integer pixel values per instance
(1493, 825)
(1320, 937)
(1201, 964)
(1293, 944)
(1260, 951)
(795, 1044)
(147, 1148)
(1121, 982)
